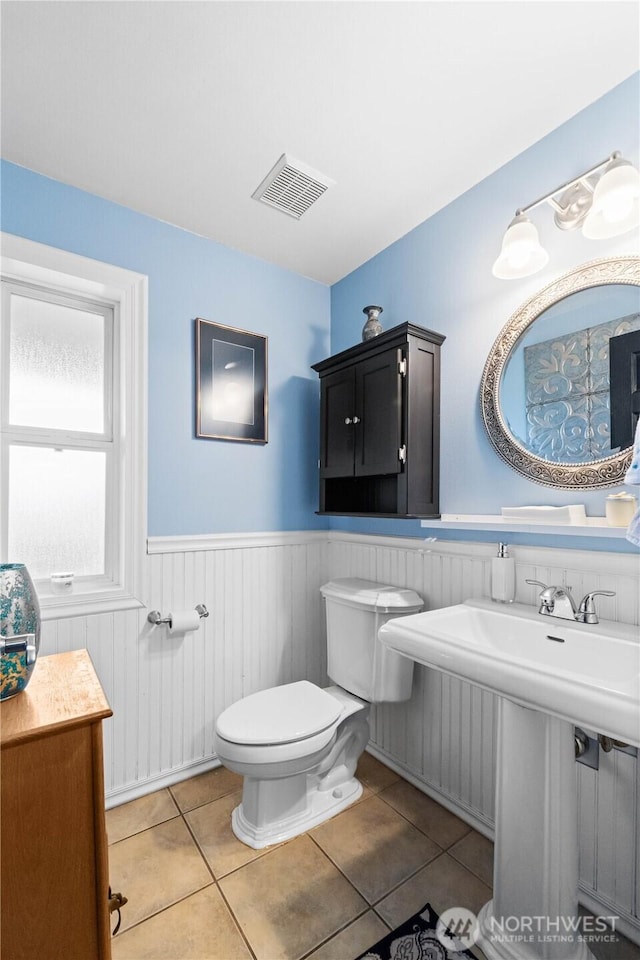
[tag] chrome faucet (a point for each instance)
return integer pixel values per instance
(558, 602)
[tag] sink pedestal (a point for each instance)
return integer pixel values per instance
(527, 659)
(534, 911)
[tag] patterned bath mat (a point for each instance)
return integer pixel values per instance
(417, 939)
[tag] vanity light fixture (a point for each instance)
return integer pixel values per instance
(604, 201)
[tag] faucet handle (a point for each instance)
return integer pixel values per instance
(587, 610)
(545, 597)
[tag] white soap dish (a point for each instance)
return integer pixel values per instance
(574, 514)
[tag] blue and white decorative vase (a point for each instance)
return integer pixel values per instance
(19, 628)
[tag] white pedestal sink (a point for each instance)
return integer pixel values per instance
(550, 674)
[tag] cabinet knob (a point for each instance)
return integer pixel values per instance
(356, 419)
(348, 420)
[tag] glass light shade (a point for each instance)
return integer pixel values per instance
(616, 202)
(521, 253)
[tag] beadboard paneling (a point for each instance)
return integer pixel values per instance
(266, 627)
(444, 737)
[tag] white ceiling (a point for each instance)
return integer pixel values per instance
(179, 109)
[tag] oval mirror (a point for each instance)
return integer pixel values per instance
(559, 391)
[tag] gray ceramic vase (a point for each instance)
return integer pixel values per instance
(373, 327)
(19, 628)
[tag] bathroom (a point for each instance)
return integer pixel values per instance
(234, 525)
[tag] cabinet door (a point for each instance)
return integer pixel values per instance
(54, 900)
(337, 404)
(379, 406)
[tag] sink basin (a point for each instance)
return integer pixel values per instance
(587, 674)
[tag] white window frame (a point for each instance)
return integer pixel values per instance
(66, 274)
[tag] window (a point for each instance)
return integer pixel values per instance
(72, 451)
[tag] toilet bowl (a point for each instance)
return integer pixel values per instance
(298, 768)
(297, 745)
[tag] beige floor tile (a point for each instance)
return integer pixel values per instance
(353, 940)
(211, 825)
(291, 900)
(206, 787)
(137, 815)
(366, 793)
(155, 868)
(437, 822)
(443, 883)
(476, 853)
(373, 774)
(374, 846)
(198, 928)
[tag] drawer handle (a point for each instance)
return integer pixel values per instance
(116, 901)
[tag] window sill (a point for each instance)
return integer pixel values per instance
(55, 607)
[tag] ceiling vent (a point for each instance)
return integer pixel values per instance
(292, 186)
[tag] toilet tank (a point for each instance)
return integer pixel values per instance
(356, 660)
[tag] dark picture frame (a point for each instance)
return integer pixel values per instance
(231, 383)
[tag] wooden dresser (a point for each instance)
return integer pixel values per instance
(54, 844)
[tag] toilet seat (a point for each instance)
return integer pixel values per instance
(280, 715)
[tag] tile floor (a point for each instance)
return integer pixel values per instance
(196, 893)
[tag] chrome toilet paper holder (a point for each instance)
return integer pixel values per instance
(156, 618)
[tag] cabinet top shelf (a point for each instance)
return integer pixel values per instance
(386, 339)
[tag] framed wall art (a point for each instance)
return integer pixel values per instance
(231, 383)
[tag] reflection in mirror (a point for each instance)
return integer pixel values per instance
(555, 390)
(548, 383)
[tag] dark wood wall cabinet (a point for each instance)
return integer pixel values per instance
(380, 426)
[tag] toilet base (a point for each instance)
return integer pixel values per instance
(321, 805)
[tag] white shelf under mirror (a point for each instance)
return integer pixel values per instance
(594, 527)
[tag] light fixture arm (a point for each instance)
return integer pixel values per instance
(548, 197)
(604, 201)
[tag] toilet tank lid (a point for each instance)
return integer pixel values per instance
(377, 596)
(282, 714)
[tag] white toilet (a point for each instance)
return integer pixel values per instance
(297, 746)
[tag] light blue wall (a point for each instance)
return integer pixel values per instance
(439, 275)
(200, 486)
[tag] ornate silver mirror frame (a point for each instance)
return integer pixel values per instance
(606, 472)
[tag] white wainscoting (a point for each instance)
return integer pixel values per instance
(266, 627)
(444, 738)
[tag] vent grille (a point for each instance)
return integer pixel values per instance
(292, 187)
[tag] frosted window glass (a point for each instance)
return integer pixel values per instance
(57, 510)
(56, 358)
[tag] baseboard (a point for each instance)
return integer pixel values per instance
(469, 815)
(626, 924)
(132, 791)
